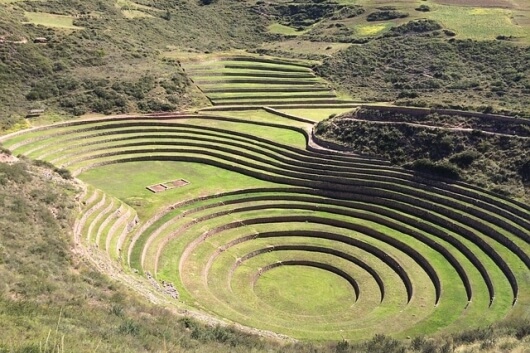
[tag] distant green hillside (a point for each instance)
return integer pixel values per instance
(426, 71)
(108, 59)
(119, 56)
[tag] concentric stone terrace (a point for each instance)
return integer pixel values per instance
(279, 235)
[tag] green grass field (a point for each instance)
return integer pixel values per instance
(282, 29)
(469, 19)
(270, 235)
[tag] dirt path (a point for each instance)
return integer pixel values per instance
(432, 127)
(7, 158)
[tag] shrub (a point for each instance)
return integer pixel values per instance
(64, 173)
(464, 159)
(444, 170)
(382, 343)
(417, 26)
(44, 164)
(423, 8)
(129, 327)
(418, 343)
(386, 15)
(523, 330)
(524, 171)
(408, 94)
(5, 150)
(472, 336)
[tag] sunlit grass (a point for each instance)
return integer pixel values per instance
(51, 20)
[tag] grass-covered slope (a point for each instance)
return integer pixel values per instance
(424, 71)
(399, 248)
(260, 80)
(108, 62)
(487, 152)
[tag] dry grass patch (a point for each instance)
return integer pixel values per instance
(372, 29)
(509, 4)
(51, 20)
(135, 14)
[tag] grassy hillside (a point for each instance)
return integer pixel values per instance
(52, 299)
(230, 229)
(492, 155)
(105, 61)
(119, 56)
(425, 71)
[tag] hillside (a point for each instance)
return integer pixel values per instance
(119, 56)
(110, 58)
(265, 176)
(435, 72)
(490, 154)
(53, 300)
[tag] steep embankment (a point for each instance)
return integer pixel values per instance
(487, 152)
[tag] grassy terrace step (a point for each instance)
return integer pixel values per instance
(121, 225)
(290, 95)
(265, 101)
(267, 89)
(104, 221)
(138, 126)
(245, 65)
(252, 73)
(264, 60)
(96, 221)
(106, 225)
(396, 221)
(91, 199)
(213, 80)
(304, 232)
(283, 106)
(312, 225)
(165, 150)
(392, 225)
(394, 243)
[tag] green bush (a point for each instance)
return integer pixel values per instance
(385, 15)
(5, 150)
(64, 173)
(417, 26)
(423, 8)
(523, 330)
(524, 171)
(382, 343)
(442, 169)
(475, 335)
(464, 159)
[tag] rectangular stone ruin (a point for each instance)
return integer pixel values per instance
(167, 185)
